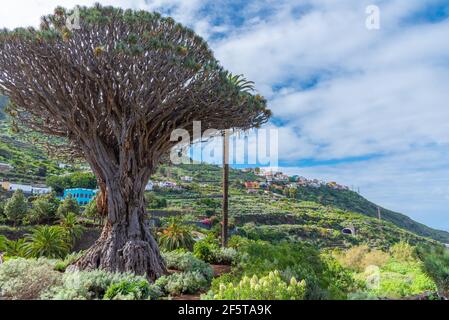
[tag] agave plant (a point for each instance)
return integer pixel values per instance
(47, 241)
(70, 225)
(176, 236)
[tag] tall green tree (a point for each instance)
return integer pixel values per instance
(68, 205)
(115, 88)
(72, 227)
(16, 207)
(43, 209)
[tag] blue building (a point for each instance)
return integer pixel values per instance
(82, 196)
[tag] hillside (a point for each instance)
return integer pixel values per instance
(323, 198)
(352, 201)
(31, 165)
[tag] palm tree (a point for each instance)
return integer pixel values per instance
(176, 236)
(244, 87)
(240, 83)
(73, 229)
(13, 248)
(47, 241)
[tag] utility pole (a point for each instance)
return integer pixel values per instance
(379, 216)
(224, 235)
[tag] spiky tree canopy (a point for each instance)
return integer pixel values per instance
(125, 79)
(115, 89)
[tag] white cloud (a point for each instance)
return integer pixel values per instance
(414, 182)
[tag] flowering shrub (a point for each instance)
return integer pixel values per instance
(225, 256)
(87, 285)
(186, 261)
(206, 221)
(205, 249)
(132, 290)
(208, 250)
(184, 282)
(271, 287)
(26, 278)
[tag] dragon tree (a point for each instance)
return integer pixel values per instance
(114, 89)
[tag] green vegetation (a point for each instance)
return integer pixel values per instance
(134, 289)
(352, 201)
(186, 262)
(48, 241)
(260, 270)
(282, 248)
(436, 265)
(183, 283)
(175, 236)
(68, 205)
(95, 285)
(395, 274)
(324, 278)
(271, 287)
(16, 207)
(71, 227)
(31, 164)
(74, 180)
(27, 278)
(43, 209)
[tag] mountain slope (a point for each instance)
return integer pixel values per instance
(341, 199)
(352, 201)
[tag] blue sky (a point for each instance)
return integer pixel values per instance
(367, 108)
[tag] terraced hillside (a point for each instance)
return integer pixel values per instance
(31, 163)
(332, 205)
(271, 218)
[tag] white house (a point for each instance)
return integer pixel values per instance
(167, 184)
(24, 187)
(14, 187)
(149, 186)
(279, 176)
(5, 167)
(40, 190)
(186, 179)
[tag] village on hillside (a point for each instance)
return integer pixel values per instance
(280, 180)
(267, 179)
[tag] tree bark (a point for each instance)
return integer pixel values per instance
(125, 244)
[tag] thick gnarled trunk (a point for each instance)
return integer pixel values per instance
(125, 244)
